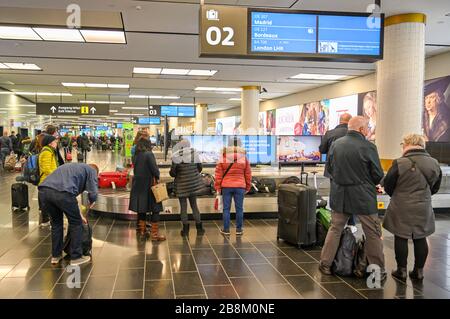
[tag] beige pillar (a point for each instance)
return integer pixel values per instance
(201, 119)
(250, 108)
(400, 78)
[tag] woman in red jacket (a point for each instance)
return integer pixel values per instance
(233, 180)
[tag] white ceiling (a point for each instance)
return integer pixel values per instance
(165, 34)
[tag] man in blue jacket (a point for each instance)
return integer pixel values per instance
(58, 194)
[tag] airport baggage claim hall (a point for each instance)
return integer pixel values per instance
(270, 80)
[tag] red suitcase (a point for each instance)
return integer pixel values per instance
(106, 179)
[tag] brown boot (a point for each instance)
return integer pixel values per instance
(142, 229)
(155, 233)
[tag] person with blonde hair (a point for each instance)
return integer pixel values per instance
(411, 181)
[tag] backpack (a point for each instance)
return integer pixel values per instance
(267, 185)
(31, 172)
(345, 256)
(322, 224)
(208, 182)
(291, 180)
(86, 241)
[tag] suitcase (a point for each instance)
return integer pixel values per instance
(297, 214)
(106, 179)
(80, 157)
(86, 241)
(19, 196)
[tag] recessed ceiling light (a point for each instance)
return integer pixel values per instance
(73, 84)
(88, 102)
(22, 105)
(308, 76)
(138, 96)
(2, 66)
(103, 36)
(96, 85)
(181, 104)
(214, 89)
(18, 33)
(53, 34)
(170, 97)
(118, 86)
(134, 108)
(174, 71)
(235, 99)
(113, 111)
(147, 70)
(202, 72)
(22, 66)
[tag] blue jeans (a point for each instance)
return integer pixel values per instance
(238, 195)
(57, 204)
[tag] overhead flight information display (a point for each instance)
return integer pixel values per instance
(283, 32)
(349, 35)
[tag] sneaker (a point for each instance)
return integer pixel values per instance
(354, 229)
(56, 260)
(80, 261)
(43, 225)
(225, 232)
(326, 270)
(239, 232)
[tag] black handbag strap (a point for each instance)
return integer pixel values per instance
(226, 172)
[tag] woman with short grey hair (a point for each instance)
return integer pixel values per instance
(411, 181)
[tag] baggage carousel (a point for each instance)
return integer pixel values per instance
(114, 202)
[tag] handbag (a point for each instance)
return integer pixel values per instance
(159, 190)
(218, 202)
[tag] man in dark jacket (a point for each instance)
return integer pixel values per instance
(5, 147)
(13, 139)
(58, 194)
(328, 139)
(355, 171)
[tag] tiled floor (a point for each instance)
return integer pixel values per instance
(212, 266)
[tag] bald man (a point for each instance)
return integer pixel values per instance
(355, 170)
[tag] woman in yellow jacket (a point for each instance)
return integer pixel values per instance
(48, 162)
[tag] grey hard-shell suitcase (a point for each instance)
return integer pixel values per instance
(297, 214)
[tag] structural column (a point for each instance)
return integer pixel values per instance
(173, 123)
(250, 109)
(201, 119)
(400, 80)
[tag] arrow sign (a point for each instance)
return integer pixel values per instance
(93, 109)
(53, 109)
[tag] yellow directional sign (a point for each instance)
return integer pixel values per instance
(380, 205)
(85, 110)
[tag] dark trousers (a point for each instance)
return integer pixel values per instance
(58, 204)
(420, 252)
(44, 216)
(194, 207)
(3, 153)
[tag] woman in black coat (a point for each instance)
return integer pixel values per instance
(186, 168)
(142, 200)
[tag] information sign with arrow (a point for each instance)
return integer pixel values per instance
(71, 109)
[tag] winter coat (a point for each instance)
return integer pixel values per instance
(83, 143)
(48, 162)
(410, 214)
(355, 170)
(5, 143)
(240, 173)
(328, 139)
(186, 168)
(146, 170)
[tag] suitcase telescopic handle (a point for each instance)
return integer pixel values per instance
(306, 178)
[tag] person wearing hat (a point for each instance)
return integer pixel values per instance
(48, 162)
(436, 116)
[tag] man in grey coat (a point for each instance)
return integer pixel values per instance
(355, 170)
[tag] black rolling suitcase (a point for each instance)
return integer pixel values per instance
(19, 196)
(297, 214)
